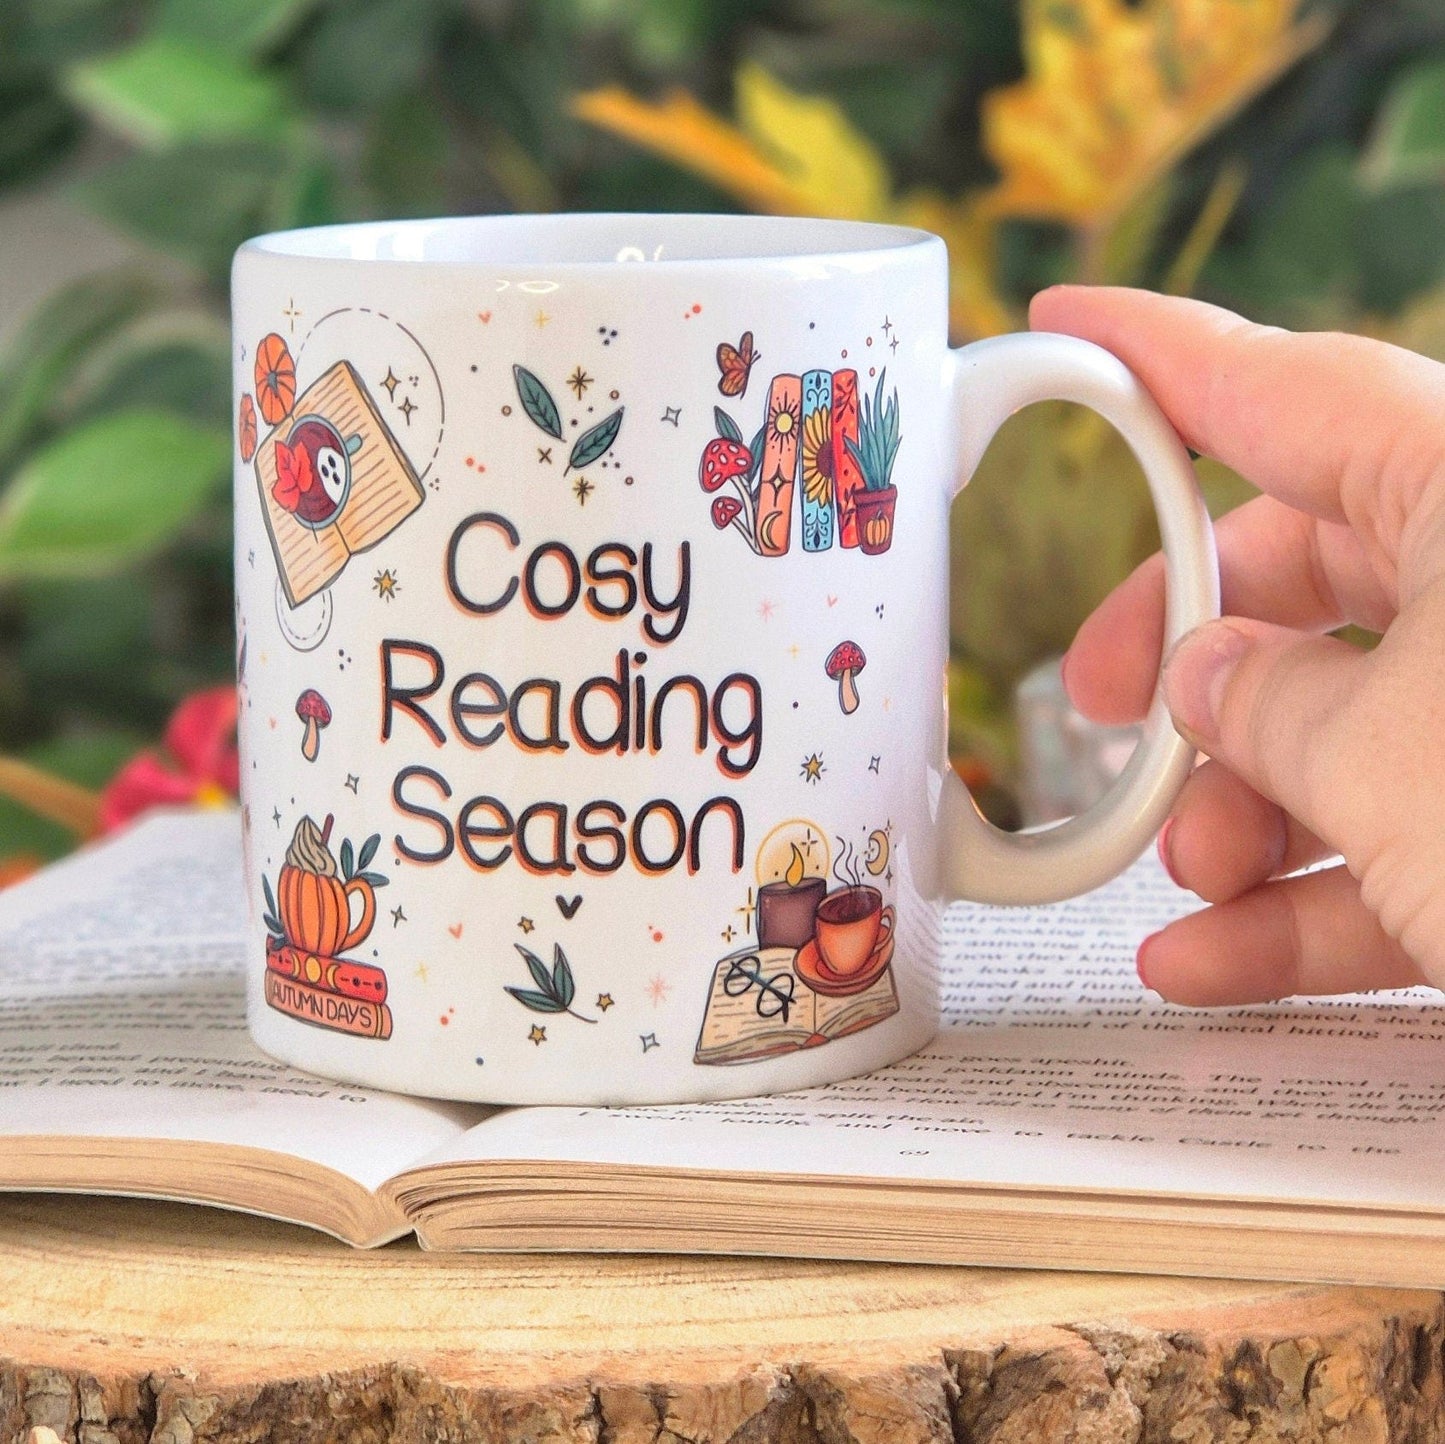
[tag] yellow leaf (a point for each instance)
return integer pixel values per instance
(680, 130)
(791, 155)
(834, 170)
(1116, 93)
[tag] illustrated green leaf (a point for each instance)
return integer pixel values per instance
(537, 1002)
(726, 426)
(273, 926)
(376, 879)
(348, 860)
(368, 850)
(163, 90)
(593, 445)
(108, 492)
(270, 896)
(537, 402)
(537, 968)
(563, 986)
(756, 451)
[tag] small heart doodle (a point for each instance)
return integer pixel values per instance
(568, 906)
(455, 929)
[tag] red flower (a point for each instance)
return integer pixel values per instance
(201, 768)
(295, 475)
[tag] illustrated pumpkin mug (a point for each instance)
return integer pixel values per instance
(592, 595)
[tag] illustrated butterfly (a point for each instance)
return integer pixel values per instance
(736, 364)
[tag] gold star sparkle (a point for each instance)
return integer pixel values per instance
(537, 1035)
(604, 1002)
(812, 767)
(386, 585)
(579, 381)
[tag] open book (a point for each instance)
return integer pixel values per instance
(381, 492)
(1062, 1119)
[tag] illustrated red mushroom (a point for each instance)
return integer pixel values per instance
(725, 511)
(312, 709)
(844, 663)
(723, 460)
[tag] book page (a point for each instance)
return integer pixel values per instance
(123, 1014)
(1055, 1068)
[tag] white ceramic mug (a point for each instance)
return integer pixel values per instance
(607, 652)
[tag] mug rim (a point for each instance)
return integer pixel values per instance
(552, 241)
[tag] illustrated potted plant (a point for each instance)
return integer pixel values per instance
(875, 451)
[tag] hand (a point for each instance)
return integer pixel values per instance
(1316, 748)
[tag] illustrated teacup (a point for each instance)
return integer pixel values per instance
(627, 623)
(848, 923)
(330, 455)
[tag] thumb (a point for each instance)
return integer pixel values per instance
(1271, 704)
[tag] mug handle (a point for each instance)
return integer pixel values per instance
(359, 887)
(989, 381)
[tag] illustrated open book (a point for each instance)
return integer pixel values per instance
(1062, 1119)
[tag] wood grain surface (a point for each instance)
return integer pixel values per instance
(124, 1321)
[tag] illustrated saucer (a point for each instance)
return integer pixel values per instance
(816, 973)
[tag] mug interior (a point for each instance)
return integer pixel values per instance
(591, 239)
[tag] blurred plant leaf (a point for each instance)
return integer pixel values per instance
(172, 373)
(162, 91)
(171, 199)
(106, 493)
(1408, 144)
(364, 53)
(1326, 241)
(232, 27)
(832, 168)
(405, 158)
(1115, 93)
(57, 338)
(36, 126)
(1117, 254)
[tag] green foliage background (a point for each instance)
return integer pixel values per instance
(190, 124)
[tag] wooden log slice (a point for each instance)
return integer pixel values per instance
(124, 1321)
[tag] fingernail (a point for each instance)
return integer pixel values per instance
(1165, 856)
(1141, 961)
(1196, 673)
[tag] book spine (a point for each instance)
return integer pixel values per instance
(817, 461)
(327, 1010)
(336, 975)
(847, 478)
(780, 465)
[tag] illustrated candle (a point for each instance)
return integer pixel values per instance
(786, 909)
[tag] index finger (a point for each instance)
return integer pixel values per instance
(1340, 426)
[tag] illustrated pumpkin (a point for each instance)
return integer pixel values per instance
(316, 911)
(246, 427)
(275, 379)
(875, 531)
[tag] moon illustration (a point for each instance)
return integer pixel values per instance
(877, 859)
